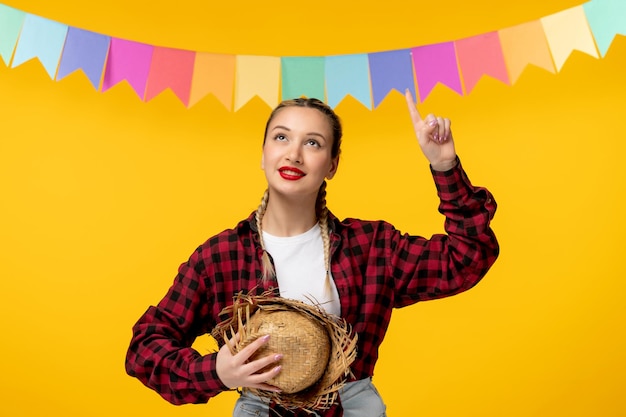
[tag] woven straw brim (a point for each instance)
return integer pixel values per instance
(315, 365)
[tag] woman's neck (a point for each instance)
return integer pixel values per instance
(288, 219)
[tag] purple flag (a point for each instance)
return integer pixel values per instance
(391, 70)
(84, 50)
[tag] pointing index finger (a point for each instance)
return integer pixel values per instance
(415, 116)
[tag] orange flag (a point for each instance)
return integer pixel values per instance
(213, 73)
(525, 44)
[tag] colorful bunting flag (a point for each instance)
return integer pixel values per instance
(481, 55)
(391, 70)
(43, 39)
(369, 78)
(173, 69)
(607, 18)
(302, 76)
(84, 50)
(257, 75)
(436, 64)
(11, 21)
(567, 31)
(213, 74)
(523, 45)
(128, 61)
(348, 74)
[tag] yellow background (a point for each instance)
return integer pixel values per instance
(103, 196)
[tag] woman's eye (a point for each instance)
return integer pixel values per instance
(280, 137)
(313, 142)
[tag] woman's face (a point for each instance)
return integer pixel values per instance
(297, 152)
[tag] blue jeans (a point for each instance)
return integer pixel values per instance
(358, 399)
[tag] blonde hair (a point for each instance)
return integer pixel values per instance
(320, 206)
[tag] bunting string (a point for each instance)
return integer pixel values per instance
(235, 79)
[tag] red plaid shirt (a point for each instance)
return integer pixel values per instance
(375, 268)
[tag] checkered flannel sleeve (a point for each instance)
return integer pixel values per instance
(450, 263)
(160, 353)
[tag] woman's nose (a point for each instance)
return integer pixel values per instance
(294, 154)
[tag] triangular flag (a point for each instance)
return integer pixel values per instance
(348, 74)
(607, 18)
(43, 39)
(436, 64)
(480, 55)
(302, 76)
(171, 68)
(525, 44)
(11, 21)
(391, 70)
(84, 50)
(128, 61)
(257, 75)
(567, 31)
(213, 73)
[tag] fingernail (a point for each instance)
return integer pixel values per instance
(278, 357)
(433, 122)
(266, 338)
(278, 368)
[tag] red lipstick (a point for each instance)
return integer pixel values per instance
(290, 173)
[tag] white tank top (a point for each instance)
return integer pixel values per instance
(300, 269)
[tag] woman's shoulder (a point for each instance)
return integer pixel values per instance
(355, 224)
(241, 231)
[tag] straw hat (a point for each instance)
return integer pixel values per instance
(317, 347)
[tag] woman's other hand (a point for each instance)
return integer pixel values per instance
(237, 371)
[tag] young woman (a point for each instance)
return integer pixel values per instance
(359, 270)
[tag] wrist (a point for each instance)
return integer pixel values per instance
(444, 165)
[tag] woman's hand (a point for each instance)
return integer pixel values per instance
(434, 137)
(235, 370)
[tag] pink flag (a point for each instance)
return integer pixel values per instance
(436, 64)
(481, 55)
(128, 61)
(173, 69)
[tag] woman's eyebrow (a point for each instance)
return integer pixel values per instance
(287, 129)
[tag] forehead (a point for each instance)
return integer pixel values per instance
(301, 118)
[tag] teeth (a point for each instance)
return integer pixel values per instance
(288, 172)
